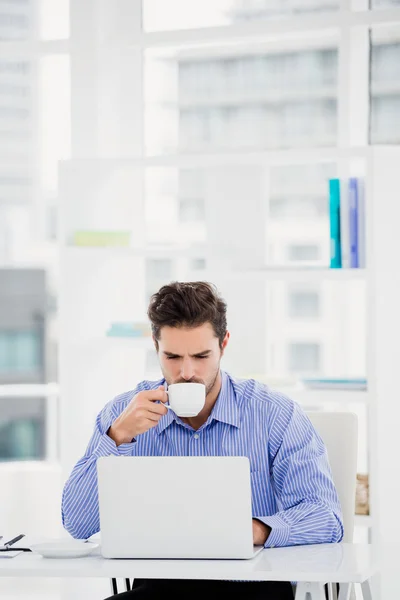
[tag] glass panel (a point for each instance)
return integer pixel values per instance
(17, 152)
(20, 352)
(385, 86)
(198, 264)
(35, 105)
(241, 97)
(376, 4)
(30, 19)
(184, 14)
(27, 351)
(5, 353)
(153, 370)
(316, 329)
(304, 304)
(55, 118)
(22, 429)
(159, 271)
(303, 252)
(181, 210)
(304, 357)
(53, 19)
(17, 20)
(175, 206)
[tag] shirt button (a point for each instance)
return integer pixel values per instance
(196, 436)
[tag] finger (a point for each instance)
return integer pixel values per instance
(159, 394)
(158, 409)
(153, 418)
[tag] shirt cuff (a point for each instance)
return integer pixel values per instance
(280, 531)
(107, 446)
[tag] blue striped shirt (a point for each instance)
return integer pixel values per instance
(291, 480)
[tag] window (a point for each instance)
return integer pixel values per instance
(286, 208)
(385, 88)
(304, 357)
(304, 304)
(20, 351)
(158, 268)
(191, 210)
(152, 368)
(376, 4)
(209, 98)
(197, 264)
(300, 252)
(22, 428)
(182, 14)
(158, 272)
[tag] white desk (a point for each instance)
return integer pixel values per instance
(311, 566)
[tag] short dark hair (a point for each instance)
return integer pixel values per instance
(187, 304)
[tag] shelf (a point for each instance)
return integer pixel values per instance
(299, 274)
(283, 273)
(29, 390)
(232, 157)
(313, 398)
(168, 251)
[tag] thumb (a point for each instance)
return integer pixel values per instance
(161, 387)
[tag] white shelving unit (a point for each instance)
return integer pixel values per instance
(101, 285)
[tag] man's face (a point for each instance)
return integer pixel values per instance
(190, 355)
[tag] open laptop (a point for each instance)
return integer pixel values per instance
(175, 507)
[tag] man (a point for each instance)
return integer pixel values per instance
(294, 499)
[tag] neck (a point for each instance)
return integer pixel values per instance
(211, 398)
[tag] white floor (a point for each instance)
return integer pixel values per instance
(54, 589)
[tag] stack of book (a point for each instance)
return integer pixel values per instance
(120, 239)
(336, 383)
(347, 223)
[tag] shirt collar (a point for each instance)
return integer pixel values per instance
(225, 410)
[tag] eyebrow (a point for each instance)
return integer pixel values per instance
(172, 354)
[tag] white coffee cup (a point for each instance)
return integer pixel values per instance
(186, 399)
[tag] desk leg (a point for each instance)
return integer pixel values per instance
(114, 586)
(127, 585)
(345, 591)
(366, 590)
(315, 591)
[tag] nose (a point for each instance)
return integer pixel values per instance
(187, 371)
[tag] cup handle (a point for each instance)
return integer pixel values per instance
(167, 405)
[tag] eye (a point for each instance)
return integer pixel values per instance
(172, 357)
(201, 357)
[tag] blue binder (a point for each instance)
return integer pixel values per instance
(334, 216)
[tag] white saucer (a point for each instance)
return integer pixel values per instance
(64, 549)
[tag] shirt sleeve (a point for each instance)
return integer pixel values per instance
(80, 505)
(310, 511)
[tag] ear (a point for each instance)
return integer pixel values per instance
(155, 342)
(225, 342)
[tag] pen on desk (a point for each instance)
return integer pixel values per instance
(14, 540)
